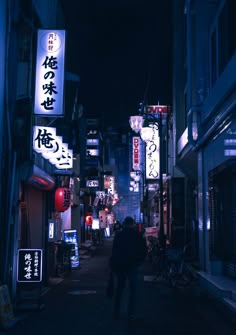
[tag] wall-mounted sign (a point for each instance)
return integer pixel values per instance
(95, 224)
(49, 85)
(136, 153)
(29, 265)
(92, 183)
(92, 152)
(111, 189)
(92, 141)
(54, 231)
(107, 182)
(157, 110)
(153, 155)
(44, 139)
(51, 147)
(100, 194)
(102, 218)
(51, 230)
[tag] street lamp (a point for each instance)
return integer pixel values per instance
(136, 123)
(154, 116)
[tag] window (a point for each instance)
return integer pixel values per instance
(231, 27)
(213, 57)
(24, 45)
(223, 39)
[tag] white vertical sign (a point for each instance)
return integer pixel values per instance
(49, 85)
(153, 156)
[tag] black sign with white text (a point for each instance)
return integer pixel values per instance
(29, 265)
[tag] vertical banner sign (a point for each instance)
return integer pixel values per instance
(136, 153)
(49, 86)
(29, 265)
(153, 155)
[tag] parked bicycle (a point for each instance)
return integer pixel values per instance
(172, 268)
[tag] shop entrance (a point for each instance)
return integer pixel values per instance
(222, 206)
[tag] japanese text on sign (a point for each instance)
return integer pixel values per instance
(29, 266)
(50, 73)
(50, 146)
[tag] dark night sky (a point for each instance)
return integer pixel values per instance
(119, 48)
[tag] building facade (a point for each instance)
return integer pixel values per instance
(28, 179)
(204, 127)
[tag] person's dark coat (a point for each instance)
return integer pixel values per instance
(129, 250)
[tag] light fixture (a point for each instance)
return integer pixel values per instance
(136, 123)
(132, 174)
(146, 134)
(137, 177)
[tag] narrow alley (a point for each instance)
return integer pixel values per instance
(78, 305)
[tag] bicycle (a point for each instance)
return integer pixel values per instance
(172, 268)
(179, 276)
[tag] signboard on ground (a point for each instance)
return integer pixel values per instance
(29, 265)
(71, 237)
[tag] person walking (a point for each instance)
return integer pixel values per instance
(128, 253)
(117, 227)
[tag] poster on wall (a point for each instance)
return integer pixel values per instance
(70, 236)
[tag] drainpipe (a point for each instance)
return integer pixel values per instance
(189, 54)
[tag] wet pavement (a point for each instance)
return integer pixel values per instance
(78, 305)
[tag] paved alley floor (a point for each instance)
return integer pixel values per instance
(78, 305)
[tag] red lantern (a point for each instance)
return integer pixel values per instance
(62, 199)
(89, 219)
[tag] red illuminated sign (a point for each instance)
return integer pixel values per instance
(156, 109)
(136, 153)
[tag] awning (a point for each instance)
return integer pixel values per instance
(41, 179)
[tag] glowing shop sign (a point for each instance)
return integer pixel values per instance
(153, 155)
(136, 153)
(49, 85)
(29, 265)
(51, 147)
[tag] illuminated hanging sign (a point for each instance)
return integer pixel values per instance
(136, 153)
(100, 194)
(51, 147)
(65, 160)
(111, 189)
(49, 85)
(29, 265)
(92, 152)
(92, 183)
(157, 109)
(44, 139)
(92, 141)
(107, 182)
(153, 155)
